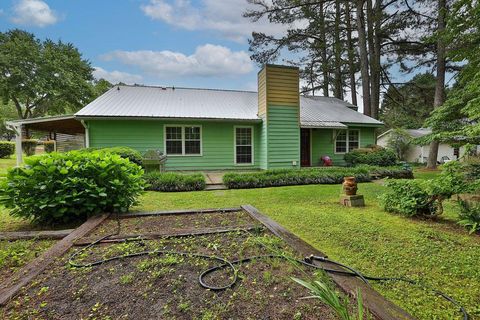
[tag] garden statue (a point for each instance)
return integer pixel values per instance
(350, 197)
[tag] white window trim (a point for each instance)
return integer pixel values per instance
(183, 126)
(335, 140)
(252, 139)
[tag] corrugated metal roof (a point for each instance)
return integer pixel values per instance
(158, 102)
(328, 109)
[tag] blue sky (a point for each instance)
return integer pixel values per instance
(166, 42)
(190, 43)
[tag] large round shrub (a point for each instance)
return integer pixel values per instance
(124, 152)
(7, 149)
(62, 187)
(372, 156)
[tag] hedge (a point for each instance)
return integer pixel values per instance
(29, 146)
(172, 181)
(330, 175)
(376, 156)
(56, 188)
(7, 149)
(49, 146)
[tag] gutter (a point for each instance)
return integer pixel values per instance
(80, 118)
(87, 134)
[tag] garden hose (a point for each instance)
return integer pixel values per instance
(227, 264)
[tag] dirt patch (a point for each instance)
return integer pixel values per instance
(165, 286)
(15, 254)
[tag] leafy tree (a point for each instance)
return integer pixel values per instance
(42, 77)
(399, 142)
(458, 119)
(409, 105)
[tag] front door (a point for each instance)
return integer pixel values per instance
(305, 147)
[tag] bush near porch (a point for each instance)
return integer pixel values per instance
(173, 181)
(327, 175)
(374, 156)
(7, 149)
(58, 188)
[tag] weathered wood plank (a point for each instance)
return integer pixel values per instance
(375, 302)
(182, 233)
(22, 277)
(41, 234)
(176, 212)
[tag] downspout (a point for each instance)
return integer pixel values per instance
(87, 134)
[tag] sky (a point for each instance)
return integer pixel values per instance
(198, 43)
(182, 43)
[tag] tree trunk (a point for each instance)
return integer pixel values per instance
(362, 44)
(338, 88)
(351, 54)
(375, 68)
(440, 81)
(323, 50)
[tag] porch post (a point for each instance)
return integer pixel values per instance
(18, 144)
(87, 134)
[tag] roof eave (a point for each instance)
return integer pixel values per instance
(97, 117)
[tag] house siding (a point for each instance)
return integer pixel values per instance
(217, 141)
(283, 132)
(323, 144)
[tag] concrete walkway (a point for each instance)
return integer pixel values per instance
(214, 180)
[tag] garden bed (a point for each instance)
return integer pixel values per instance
(166, 285)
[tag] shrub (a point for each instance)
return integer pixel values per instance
(327, 175)
(29, 146)
(172, 181)
(7, 149)
(399, 142)
(49, 146)
(410, 198)
(124, 152)
(375, 156)
(62, 187)
(469, 215)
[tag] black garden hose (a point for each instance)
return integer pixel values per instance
(225, 263)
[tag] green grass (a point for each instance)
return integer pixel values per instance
(422, 173)
(439, 253)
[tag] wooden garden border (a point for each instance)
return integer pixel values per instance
(23, 276)
(377, 304)
(39, 235)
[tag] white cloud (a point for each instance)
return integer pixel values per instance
(116, 76)
(223, 16)
(207, 61)
(33, 12)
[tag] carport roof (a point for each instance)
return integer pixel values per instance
(60, 124)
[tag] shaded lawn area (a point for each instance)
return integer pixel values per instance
(440, 254)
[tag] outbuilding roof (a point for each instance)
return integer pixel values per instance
(163, 102)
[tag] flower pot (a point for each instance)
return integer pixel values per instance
(349, 186)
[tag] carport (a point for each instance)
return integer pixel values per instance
(54, 125)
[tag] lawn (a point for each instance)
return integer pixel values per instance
(439, 253)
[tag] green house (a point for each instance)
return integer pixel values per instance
(204, 129)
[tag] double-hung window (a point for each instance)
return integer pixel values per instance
(243, 145)
(183, 140)
(346, 140)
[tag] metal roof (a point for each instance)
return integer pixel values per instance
(414, 133)
(163, 102)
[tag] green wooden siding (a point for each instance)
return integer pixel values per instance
(263, 143)
(283, 136)
(323, 144)
(217, 141)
